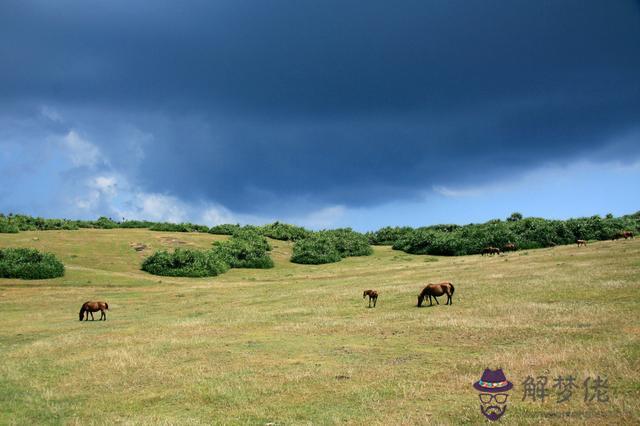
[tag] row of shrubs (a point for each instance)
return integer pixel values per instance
(29, 264)
(19, 222)
(525, 233)
(276, 230)
(16, 223)
(245, 249)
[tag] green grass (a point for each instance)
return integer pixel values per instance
(296, 344)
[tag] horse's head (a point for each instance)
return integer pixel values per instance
(420, 300)
(364, 294)
(81, 313)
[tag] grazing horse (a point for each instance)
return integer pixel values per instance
(91, 307)
(490, 250)
(433, 290)
(581, 242)
(622, 234)
(373, 295)
(509, 247)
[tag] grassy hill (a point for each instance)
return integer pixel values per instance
(296, 344)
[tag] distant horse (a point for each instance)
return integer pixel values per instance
(509, 247)
(622, 234)
(490, 250)
(433, 290)
(581, 243)
(91, 307)
(373, 295)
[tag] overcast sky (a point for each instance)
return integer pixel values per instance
(322, 113)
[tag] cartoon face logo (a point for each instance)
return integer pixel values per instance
(493, 388)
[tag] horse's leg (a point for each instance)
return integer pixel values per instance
(436, 300)
(375, 301)
(92, 318)
(430, 301)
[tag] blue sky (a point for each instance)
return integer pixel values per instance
(325, 114)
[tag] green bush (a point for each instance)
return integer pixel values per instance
(316, 249)
(105, 223)
(245, 249)
(29, 264)
(284, 231)
(185, 263)
(224, 229)
(330, 246)
(6, 227)
(349, 242)
(388, 235)
(136, 224)
(178, 227)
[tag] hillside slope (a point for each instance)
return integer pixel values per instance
(296, 343)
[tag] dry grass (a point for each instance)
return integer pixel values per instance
(297, 345)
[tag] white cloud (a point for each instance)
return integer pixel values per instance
(105, 184)
(459, 192)
(216, 216)
(155, 207)
(95, 191)
(51, 113)
(80, 151)
(323, 218)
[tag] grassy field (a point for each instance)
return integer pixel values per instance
(297, 345)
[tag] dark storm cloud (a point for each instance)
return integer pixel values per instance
(253, 103)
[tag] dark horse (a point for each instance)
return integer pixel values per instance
(581, 242)
(509, 247)
(490, 250)
(91, 307)
(623, 234)
(433, 290)
(373, 295)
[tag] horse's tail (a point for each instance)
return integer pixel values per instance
(106, 305)
(452, 288)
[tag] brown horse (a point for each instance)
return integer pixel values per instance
(91, 307)
(490, 250)
(373, 295)
(509, 247)
(433, 290)
(622, 234)
(581, 242)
